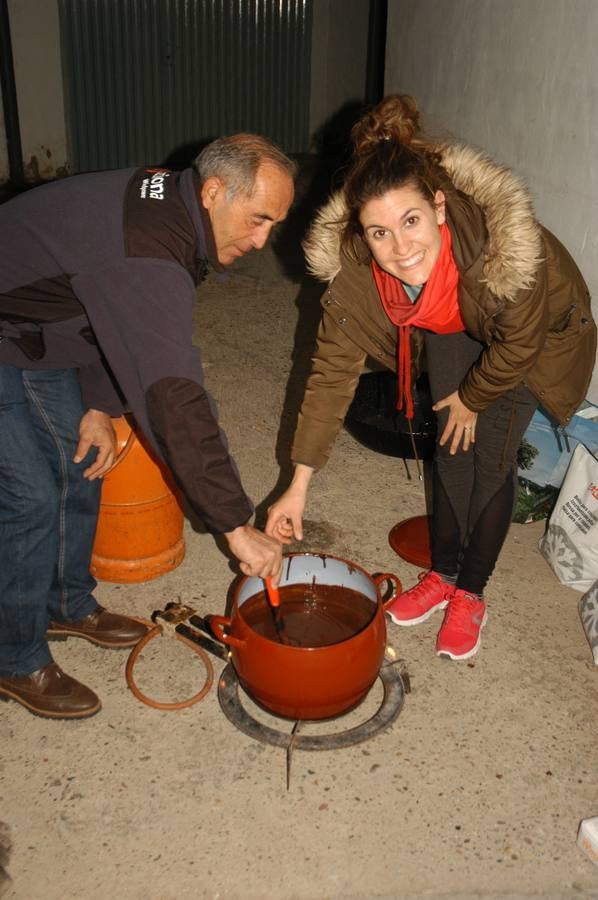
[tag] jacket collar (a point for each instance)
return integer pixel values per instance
(189, 185)
(490, 214)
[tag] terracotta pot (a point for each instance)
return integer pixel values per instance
(308, 682)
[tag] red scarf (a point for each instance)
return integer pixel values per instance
(436, 309)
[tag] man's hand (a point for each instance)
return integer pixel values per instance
(258, 554)
(461, 423)
(96, 430)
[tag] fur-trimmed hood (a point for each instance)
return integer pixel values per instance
(512, 251)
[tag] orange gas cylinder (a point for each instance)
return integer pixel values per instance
(140, 525)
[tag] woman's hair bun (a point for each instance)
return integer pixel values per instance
(396, 118)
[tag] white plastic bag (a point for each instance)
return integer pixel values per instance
(570, 544)
(588, 609)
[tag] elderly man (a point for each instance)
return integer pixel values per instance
(97, 284)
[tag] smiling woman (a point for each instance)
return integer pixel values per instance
(432, 251)
(403, 233)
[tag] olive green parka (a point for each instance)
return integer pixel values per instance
(520, 294)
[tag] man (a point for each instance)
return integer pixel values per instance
(97, 285)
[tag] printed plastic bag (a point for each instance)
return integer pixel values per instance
(588, 609)
(570, 544)
(543, 457)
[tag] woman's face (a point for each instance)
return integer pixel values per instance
(402, 230)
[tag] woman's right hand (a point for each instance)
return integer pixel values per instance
(285, 516)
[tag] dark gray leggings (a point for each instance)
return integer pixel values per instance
(473, 493)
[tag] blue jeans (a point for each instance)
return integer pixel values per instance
(48, 514)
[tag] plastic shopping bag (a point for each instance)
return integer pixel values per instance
(588, 609)
(570, 544)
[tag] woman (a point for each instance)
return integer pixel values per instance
(432, 251)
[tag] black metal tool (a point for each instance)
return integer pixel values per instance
(186, 622)
(202, 640)
(273, 597)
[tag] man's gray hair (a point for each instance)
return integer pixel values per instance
(236, 159)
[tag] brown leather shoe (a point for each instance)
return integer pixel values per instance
(101, 627)
(51, 693)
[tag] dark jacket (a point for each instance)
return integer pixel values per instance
(520, 294)
(99, 272)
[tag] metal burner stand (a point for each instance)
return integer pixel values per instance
(235, 712)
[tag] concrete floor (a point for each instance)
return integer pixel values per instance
(477, 789)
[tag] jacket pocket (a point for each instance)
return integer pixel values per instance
(575, 321)
(566, 320)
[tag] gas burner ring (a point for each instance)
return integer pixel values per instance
(235, 712)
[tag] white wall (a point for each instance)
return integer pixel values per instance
(35, 35)
(518, 78)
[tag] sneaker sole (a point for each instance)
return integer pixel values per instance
(446, 654)
(6, 695)
(408, 622)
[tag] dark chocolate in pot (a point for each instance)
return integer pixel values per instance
(314, 615)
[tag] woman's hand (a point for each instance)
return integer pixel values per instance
(461, 423)
(96, 430)
(285, 517)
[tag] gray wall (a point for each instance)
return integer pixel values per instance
(4, 168)
(35, 38)
(338, 75)
(518, 78)
(339, 55)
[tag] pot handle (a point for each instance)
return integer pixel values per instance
(218, 624)
(397, 586)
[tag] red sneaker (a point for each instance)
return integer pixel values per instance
(419, 602)
(459, 637)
